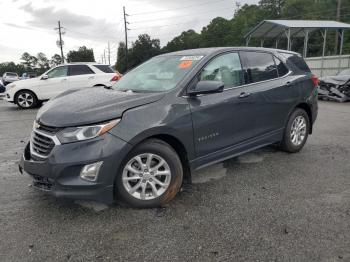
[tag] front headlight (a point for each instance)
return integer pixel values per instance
(73, 134)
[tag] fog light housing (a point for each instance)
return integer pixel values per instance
(90, 172)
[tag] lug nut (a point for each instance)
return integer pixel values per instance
(143, 180)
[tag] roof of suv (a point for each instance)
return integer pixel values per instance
(213, 50)
(85, 63)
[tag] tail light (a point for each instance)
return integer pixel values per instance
(115, 78)
(314, 80)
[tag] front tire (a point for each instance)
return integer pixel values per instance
(296, 131)
(26, 99)
(150, 176)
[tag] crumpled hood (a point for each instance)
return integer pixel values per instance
(92, 105)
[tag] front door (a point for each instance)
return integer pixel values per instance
(55, 84)
(223, 119)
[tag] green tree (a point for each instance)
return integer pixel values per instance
(187, 40)
(26, 57)
(216, 33)
(83, 54)
(143, 49)
(55, 60)
(120, 64)
(43, 63)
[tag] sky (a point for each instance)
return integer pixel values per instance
(29, 26)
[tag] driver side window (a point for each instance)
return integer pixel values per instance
(225, 68)
(60, 71)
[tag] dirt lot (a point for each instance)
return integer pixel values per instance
(263, 206)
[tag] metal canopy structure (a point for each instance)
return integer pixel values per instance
(277, 29)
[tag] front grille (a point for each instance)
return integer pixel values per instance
(41, 144)
(43, 183)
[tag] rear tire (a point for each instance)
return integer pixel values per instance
(26, 99)
(296, 131)
(150, 176)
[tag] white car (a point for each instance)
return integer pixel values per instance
(9, 77)
(29, 93)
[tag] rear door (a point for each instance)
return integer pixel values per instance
(80, 76)
(269, 84)
(222, 119)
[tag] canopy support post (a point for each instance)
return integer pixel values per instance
(247, 40)
(306, 40)
(262, 43)
(323, 49)
(288, 40)
(341, 48)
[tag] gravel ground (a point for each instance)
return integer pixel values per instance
(263, 206)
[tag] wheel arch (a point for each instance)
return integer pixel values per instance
(21, 90)
(176, 144)
(306, 107)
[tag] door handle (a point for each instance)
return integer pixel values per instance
(65, 79)
(244, 94)
(91, 77)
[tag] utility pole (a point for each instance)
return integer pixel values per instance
(101, 59)
(126, 39)
(337, 32)
(60, 42)
(109, 54)
(104, 55)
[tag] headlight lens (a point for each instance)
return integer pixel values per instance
(73, 134)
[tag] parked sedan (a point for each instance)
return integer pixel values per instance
(9, 77)
(175, 113)
(31, 92)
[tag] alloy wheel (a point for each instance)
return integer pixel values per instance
(146, 176)
(25, 100)
(298, 130)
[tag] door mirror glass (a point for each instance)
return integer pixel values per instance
(207, 87)
(44, 77)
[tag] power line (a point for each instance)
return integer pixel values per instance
(183, 7)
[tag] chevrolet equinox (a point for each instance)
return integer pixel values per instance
(175, 113)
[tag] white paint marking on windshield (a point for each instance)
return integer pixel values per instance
(192, 58)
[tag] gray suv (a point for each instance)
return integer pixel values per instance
(138, 141)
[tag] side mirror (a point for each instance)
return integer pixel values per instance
(207, 87)
(44, 77)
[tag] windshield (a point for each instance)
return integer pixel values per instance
(159, 74)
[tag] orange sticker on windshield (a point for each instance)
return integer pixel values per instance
(185, 64)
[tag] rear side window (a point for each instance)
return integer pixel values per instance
(260, 66)
(225, 68)
(104, 68)
(75, 70)
(297, 61)
(281, 68)
(11, 74)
